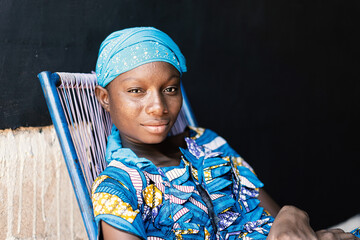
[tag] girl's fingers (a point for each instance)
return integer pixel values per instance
(335, 234)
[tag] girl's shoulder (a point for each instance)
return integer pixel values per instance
(209, 139)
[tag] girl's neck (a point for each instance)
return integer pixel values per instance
(164, 154)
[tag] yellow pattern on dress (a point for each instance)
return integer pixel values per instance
(199, 131)
(124, 185)
(266, 213)
(100, 179)
(152, 196)
(225, 210)
(179, 233)
(97, 182)
(195, 173)
(243, 236)
(207, 171)
(237, 161)
(206, 234)
(105, 203)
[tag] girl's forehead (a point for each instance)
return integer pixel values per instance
(154, 72)
(149, 70)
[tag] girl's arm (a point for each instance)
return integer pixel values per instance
(290, 222)
(111, 233)
(268, 203)
(293, 223)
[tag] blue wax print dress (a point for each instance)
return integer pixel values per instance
(212, 194)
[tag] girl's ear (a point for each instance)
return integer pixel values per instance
(102, 96)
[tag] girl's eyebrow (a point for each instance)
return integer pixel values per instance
(139, 79)
(174, 76)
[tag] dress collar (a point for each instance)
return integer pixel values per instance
(115, 151)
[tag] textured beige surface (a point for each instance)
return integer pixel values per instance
(350, 224)
(36, 197)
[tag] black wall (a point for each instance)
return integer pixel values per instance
(278, 79)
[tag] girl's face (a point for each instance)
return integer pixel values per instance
(144, 102)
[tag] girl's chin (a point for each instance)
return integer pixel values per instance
(155, 140)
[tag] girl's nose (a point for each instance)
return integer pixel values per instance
(156, 104)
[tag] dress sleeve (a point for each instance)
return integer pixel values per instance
(116, 203)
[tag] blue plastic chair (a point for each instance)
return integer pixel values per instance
(75, 113)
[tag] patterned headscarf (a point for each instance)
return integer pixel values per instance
(129, 48)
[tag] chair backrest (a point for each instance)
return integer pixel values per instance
(82, 127)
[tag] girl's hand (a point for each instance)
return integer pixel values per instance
(334, 234)
(292, 223)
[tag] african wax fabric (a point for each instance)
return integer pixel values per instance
(212, 194)
(356, 232)
(129, 48)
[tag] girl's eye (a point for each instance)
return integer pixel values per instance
(135, 90)
(170, 89)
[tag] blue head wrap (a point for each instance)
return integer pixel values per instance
(129, 48)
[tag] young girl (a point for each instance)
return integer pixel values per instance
(188, 186)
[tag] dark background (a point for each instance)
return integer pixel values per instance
(278, 79)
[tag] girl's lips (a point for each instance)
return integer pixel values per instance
(156, 128)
